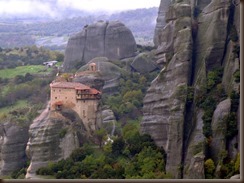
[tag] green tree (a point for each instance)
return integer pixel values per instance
(118, 146)
(100, 135)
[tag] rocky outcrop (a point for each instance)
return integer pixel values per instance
(218, 143)
(105, 78)
(211, 36)
(107, 120)
(194, 155)
(109, 39)
(13, 140)
(53, 136)
(164, 103)
(209, 44)
(143, 63)
(160, 22)
(196, 167)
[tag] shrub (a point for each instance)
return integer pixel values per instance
(62, 132)
(209, 168)
(237, 164)
(231, 121)
(237, 76)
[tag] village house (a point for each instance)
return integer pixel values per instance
(50, 63)
(79, 97)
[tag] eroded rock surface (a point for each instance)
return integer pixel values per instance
(109, 39)
(53, 136)
(164, 103)
(13, 140)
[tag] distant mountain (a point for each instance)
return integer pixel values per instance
(141, 22)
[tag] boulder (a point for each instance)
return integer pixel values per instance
(143, 63)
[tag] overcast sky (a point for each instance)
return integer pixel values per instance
(50, 7)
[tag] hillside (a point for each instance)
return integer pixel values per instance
(53, 34)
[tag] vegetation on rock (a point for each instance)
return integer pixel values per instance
(129, 156)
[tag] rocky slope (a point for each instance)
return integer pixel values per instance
(198, 37)
(109, 39)
(13, 140)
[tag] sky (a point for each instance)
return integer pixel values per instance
(52, 8)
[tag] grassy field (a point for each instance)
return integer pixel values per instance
(22, 70)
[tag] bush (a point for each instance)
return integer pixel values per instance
(237, 164)
(231, 121)
(209, 168)
(62, 132)
(237, 76)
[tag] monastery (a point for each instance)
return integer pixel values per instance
(79, 97)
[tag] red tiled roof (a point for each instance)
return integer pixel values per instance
(94, 91)
(77, 86)
(68, 85)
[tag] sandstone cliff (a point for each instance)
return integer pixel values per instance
(109, 39)
(13, 140)
(198, 37)
(53, 136)
(164, 104)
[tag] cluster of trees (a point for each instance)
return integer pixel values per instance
(34, 92)
(131, 155)
(128, 102)
(31, 55)
(32, 89)
(214, 94)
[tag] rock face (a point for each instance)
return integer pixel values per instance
(109, 39)
(14, 138)
(219, 129)
(143, 63)
(160, 22)
(194, 160)
(164, 103)
(53, 136)
(198, 37)
(105, 78)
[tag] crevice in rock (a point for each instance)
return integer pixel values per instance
(229, 26)
(83, 51)
(189, 125)
(104, 39)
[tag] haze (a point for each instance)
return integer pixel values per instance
(54, 8)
